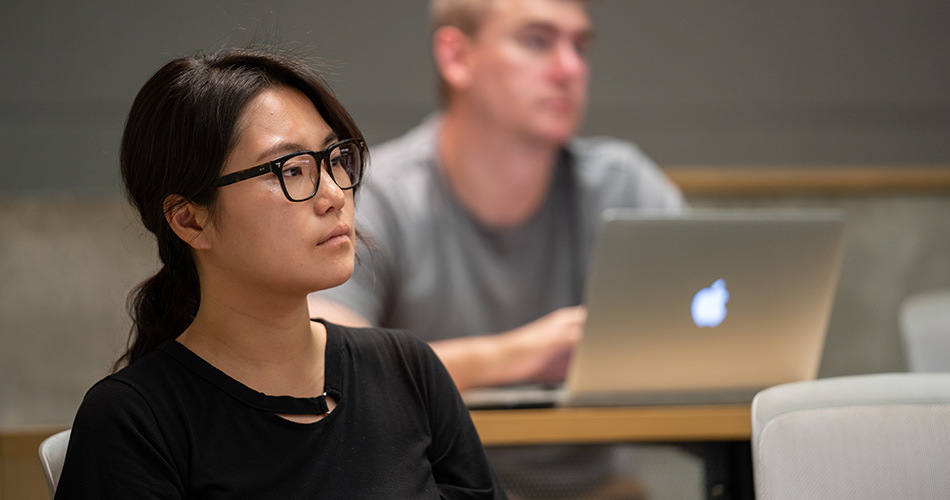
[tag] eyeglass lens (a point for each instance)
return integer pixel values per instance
(301, 173)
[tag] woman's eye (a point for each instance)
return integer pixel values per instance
(298, 166)
(292, 171)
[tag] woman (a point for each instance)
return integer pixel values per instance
(244, 166)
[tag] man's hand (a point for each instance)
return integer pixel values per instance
(536, 352)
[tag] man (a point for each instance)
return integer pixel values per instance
(484, 216)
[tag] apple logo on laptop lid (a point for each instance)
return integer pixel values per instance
(709, 305)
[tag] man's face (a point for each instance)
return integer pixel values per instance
(529, 73)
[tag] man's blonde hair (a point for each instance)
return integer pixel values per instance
(466, 15)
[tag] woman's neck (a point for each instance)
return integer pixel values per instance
(270, 346)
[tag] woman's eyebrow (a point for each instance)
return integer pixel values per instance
(330, 139)
(281, 148)
(277, 150)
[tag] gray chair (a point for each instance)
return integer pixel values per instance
(857, 437)
(925, 329)
(52, 456)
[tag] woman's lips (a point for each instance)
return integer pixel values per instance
(338, 236)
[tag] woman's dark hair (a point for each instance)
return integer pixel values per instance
(182, 126)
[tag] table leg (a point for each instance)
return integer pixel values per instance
(729, 470)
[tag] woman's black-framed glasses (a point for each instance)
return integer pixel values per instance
(299, 172)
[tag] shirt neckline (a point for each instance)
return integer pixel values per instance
(289, 405)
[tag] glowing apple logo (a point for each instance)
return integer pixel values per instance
(709, 305)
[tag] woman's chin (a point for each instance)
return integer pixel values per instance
(334, 279)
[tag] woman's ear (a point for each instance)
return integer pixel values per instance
(187, 220)
(450, 47)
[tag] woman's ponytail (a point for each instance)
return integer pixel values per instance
(162, 307)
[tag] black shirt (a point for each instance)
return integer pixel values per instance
(173, 426)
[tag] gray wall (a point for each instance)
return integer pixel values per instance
(692, 81)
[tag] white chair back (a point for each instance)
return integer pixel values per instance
(858, 437)
(925, 329)
(52, 456)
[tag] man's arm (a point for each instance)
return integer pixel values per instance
(535, 352)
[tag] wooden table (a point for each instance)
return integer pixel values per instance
(606, 425)
(721, 431)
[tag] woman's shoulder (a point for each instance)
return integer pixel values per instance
(155, 366)
(138, 386)
(380, 342)
(372, 335)
(398, 359)
(124, 396)
(114, 391)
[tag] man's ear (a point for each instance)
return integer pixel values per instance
(451, 50)
(187, 220)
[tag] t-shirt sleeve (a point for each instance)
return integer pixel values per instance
(653, 188)
(459, 464)
(116, 450)
(649, 186)
(617, 173)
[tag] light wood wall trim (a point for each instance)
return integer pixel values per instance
(604, 425)
(766, 180)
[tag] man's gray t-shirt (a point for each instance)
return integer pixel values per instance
(438, 272)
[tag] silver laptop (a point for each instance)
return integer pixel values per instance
(705, 307)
